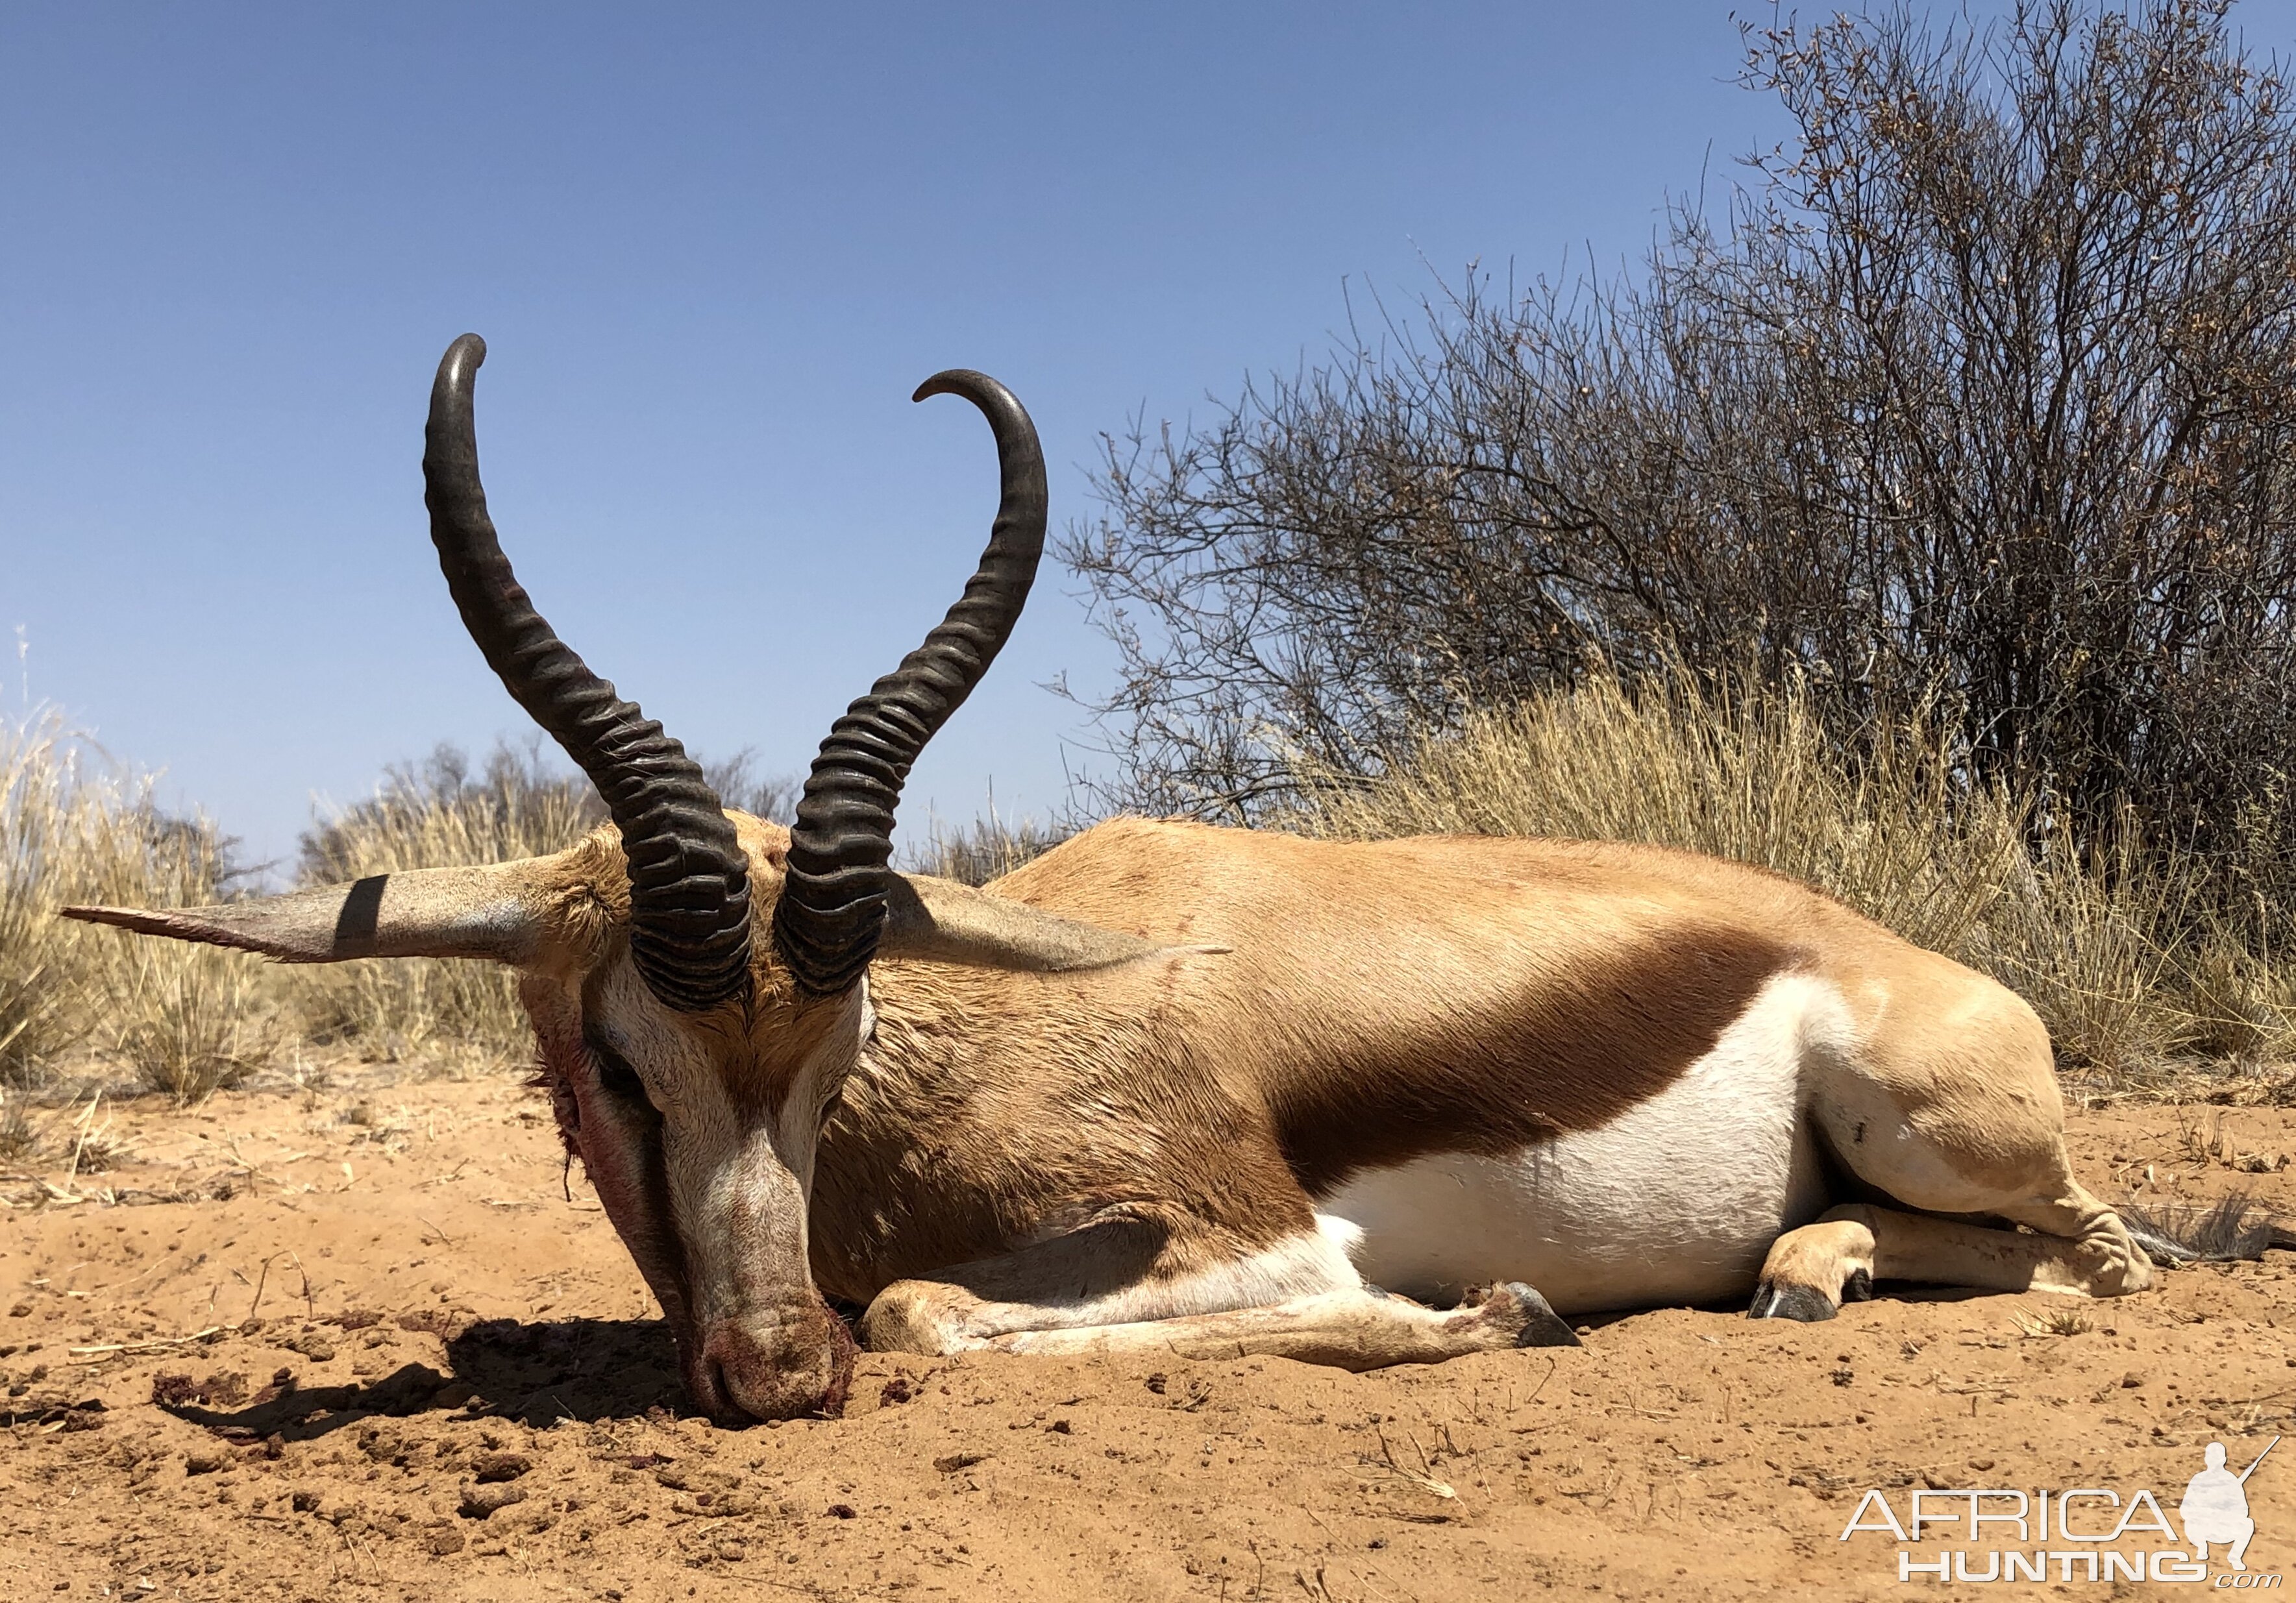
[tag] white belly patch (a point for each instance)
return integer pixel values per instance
(1674, 1201)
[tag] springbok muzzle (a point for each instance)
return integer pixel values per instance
(780, 1362)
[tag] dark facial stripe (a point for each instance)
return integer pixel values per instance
(606, 1120)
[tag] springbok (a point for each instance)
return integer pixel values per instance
(1189, 1090)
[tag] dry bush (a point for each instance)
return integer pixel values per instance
(75, 827)
(437, 814)
(2107, 944)
(739, 785)
(1983, 381)
(1986, 377)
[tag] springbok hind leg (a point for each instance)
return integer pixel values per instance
(1954, 1111)
(2079, 1248)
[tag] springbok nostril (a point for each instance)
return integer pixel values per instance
(718, 1397)
(736, 1370)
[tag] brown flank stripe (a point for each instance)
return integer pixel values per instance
(1560, 1058)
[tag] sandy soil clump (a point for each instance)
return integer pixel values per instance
(359, 1343)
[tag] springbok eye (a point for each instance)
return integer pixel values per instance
(615, 1075)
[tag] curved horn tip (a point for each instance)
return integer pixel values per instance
(464, 357)
(677, 837)
(956, 381)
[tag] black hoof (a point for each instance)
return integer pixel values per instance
(1803, 1303)
(1542, 1327)
(1858, 1287)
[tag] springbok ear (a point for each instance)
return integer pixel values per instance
(941, 920)
(495, 911)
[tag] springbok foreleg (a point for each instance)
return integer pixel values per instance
(1121, 1284)
(1364, 1330)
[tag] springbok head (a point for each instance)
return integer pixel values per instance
(697, 979)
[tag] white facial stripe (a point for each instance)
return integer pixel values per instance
(797, 1127)
(744, 1229)
(743, 1189)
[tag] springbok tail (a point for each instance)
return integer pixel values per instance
(2233, 1227)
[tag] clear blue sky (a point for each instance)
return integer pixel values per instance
(712, 248)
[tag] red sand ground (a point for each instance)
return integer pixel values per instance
(426, 1375)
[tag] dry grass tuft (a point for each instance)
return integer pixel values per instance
(19, 1137)
(2233, 1227)
(437, 814)
(987, 848)
(2070, 1319)
(187, 1021)
(94, 1146)
(2130, 956)
(76, 827)
(2119, 953)
(203, 1019)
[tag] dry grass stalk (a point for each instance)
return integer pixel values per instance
(94, 1147)
(1424, 1477)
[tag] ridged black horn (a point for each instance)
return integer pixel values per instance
(689, 877)
(832, 908)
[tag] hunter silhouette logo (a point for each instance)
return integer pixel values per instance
(2074, 1533)
(2216, 1506)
